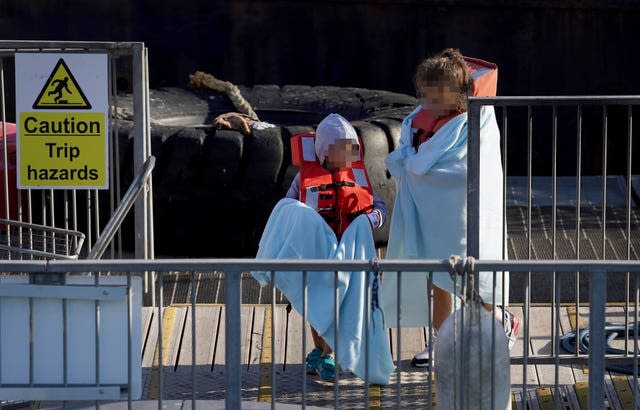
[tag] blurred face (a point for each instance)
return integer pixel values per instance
(440, 97)
(341, 154)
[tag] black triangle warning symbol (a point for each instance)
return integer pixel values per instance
(61, 91)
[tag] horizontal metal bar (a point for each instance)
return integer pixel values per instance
(35, 252)
(125, 52)
(311, 265)
(63, 291)
(84, 45)
(242, 265)
(567, 359)
(61, 393)
(23, 266)
(568, 265)
(557, 100)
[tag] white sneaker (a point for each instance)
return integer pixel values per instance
(511, 327)
(423, 359)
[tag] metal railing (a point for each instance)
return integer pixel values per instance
(596, 359)
(558, 126)
(551, 137)
(84, 209)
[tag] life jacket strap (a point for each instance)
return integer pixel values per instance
(353, 215)
(322, 187)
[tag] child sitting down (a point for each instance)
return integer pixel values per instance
(329, 212)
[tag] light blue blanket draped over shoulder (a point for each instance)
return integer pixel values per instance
(430, 211)
(296, 231)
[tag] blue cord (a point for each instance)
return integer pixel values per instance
(612, 331)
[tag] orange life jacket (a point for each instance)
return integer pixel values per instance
(485, 84)
(338, 196)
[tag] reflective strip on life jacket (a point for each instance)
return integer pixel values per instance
(308, 149)
(311, 197)
(361, 177)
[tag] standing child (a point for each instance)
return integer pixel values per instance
(329, 213)
(430, 168)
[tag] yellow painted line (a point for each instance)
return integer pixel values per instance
(623, 389)
(545, 398)
(582, 391)
(375, 403)
(433, 392)
(514, 403)
(168, 320)
(264, 391)
(571, 313)
(223, 305)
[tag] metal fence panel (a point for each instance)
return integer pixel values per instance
(69, 341)
(193, 384)
(83, 210)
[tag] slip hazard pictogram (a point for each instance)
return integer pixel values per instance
(61, 91)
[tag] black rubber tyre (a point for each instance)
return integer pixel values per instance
(391, 127)
(376, 148)
(214, 189)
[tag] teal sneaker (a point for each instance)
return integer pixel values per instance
(327, 368)
(313, 360)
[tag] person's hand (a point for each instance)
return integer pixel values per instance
(234, 121)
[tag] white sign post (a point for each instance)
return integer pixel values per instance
(62, 111)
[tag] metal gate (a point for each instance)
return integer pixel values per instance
(86, 210)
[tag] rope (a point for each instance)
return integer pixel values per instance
(454, 262)
(201, 79)
(466, 269)
(456, 268)
(612, 331)
(472, 276)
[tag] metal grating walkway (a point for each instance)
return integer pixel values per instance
(256, 361)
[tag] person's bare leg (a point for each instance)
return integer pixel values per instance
(313, 359)
(317, 340)
(497, 311)
(326, 367)
(442, 306)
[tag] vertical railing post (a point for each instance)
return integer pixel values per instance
(473, 179)
(140, 154)
(148, 242)
(5, 169)
(597, 298)
(139, 144)
(232, 299)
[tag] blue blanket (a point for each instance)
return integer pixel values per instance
(430, 211)
(296, 231)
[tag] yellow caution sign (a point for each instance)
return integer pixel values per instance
(62, 123)
(62, 149)
(61, 91)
